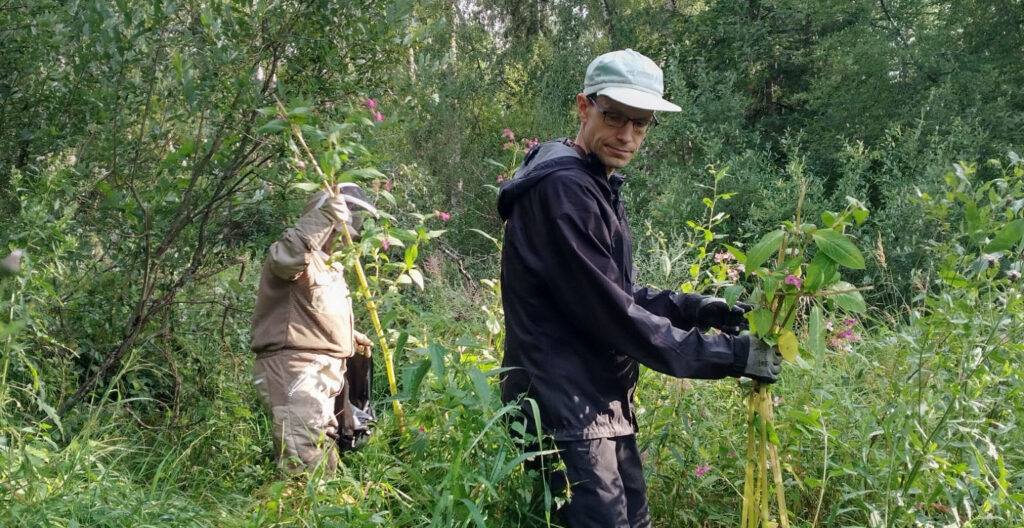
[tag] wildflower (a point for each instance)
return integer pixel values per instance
(385, 244)
(732, 453)
(733, 273)
(11, 264)
(302, 165)
(849, 321)
(701, 470)
(845, 334)
(376, 186)
(793, 280)
(443, 215)
(378, 116)
(509, 134)
(1013, 275)
(829, 326)
(531, 143)
(723, 257)
(387, 186)
(508, 145)
(501, 178)
(370, 103)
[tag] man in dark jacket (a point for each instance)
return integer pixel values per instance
(576, 325)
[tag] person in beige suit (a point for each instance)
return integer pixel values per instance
(303, 330)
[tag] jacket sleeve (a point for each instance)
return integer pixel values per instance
(290, 255)
(680, 308)
(583, 279)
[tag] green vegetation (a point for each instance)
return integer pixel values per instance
(144, 170)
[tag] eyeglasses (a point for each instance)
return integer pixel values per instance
(617, 120)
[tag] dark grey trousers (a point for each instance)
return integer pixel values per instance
(607, 484)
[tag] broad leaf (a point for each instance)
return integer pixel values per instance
(816, 335)
(768, 246)
(788, 345)
(849, 299)
(1009, 236)
(839, 248)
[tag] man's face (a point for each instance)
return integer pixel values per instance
(614, 146)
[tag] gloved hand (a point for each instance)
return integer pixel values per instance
(764, 362)
(715, 312)
(334, 207)
(363, 344)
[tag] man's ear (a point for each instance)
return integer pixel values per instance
(582, 105)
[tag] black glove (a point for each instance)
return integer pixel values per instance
(714, 312)
(764, 362)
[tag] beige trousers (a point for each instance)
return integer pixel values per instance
(299, 389)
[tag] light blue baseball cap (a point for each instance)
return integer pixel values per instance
(629, 78)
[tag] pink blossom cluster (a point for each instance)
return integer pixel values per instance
(372, 105)
(793, 280)
(443, 215)
(701, 470)
(843, 337)
(511, 143)
(725, 258)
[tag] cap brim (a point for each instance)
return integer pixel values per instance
(638, 99)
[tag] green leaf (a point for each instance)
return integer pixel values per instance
(273, 127)
(368, 173)
(860, 215)
(306, 186)
(411, 253)
(816, 335)
(837, 246)
(819, 272)
(768, 246)
(828, 219)
(1009, 236)
(760, 321)
(788, 345)
(849, 300)
(731, 293)
(417, 277)
(741, 257)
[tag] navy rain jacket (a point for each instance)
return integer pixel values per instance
(576, 327)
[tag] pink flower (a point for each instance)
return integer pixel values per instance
(733, 273)
(443, 215)
(531, 143)
(701, 470)
(508, 145)
(387, 186)
(723, 256)
(829, 326)
(370, 103)
(793, 280)
(501, 178)
(302, 164)
(849, 322)
(376, 186)
(508, 133)
(732, 453)
(385, 244)
(378, 116)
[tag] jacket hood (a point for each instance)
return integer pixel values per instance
(541, 161)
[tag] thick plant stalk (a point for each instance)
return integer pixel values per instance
(780, 490)
(749, 503)
(762, 459)
(364, 287)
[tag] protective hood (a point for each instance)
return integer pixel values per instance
(541, 161)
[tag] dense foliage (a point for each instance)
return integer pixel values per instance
(144, 170)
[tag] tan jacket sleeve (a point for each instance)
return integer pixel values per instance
(291, 253)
